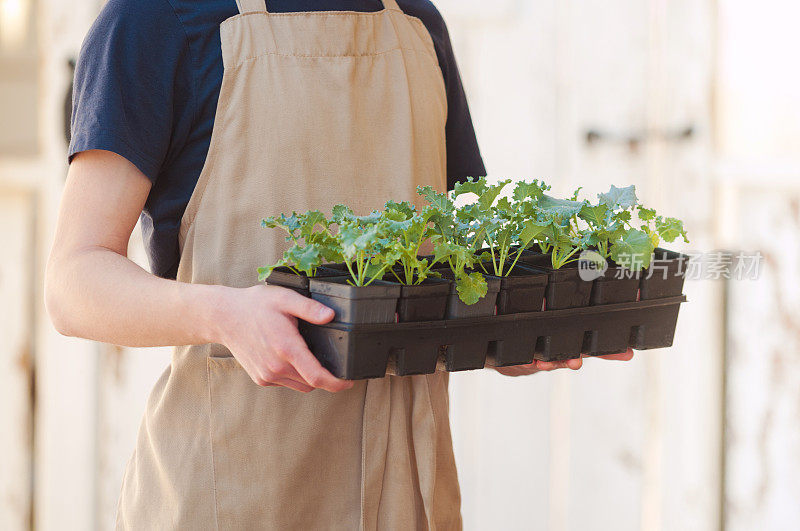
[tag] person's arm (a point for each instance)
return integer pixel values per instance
(94, 291)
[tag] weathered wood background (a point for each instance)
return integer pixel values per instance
(611, 447)
(700, 436)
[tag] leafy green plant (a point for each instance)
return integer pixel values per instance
(561, 236)
(391, 240)
(609, 230)
(503, 225)
(550, 222)
(312, 242)
(369, 245)
(471, 285)
(607, 219)
(408, 231)
(456, 241)
(364, 244)
(633, 250)
(661, 228)
(486, 221)
(627, 246)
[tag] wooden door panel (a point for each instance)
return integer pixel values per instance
(763, 402)
(607, 448)
(16, 360)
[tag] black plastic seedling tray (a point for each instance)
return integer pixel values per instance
(359, 351)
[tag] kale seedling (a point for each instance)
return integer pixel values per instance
(659, 228)
(455, 241)
(503, 225)
(364, 244)
(408, 230)
(312, 242)
(551, 222)
(611, 232)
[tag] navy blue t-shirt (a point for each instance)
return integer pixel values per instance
(147, 83)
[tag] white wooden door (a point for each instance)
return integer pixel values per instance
(614, 446)
(763, 413)
(759, 102)
(16, 358)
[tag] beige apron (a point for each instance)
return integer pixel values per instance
(314, 109)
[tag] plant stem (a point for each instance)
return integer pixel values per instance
(360, 265)
(397, 277)
(514, 263)
(350, 268)
(423, 274)
(494, 259)
(379, 274)
(559, 261)
(503, 258)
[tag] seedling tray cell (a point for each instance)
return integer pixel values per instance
(286, 278)
(565, 287)
(665, 276)
(616, 285)
(457, 309)
(522, 290)
(359, 351)
(423, 302)
(376, 303)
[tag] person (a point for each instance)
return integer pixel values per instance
(201, 118)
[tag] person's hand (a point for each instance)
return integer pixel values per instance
(539, 366)
(259, 326)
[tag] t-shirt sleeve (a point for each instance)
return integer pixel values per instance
(463, 155)
(132, 84)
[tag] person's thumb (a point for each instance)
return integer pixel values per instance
(306, 308)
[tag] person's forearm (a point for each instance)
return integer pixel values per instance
(101, 295)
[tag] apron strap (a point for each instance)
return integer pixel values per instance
(250, 6)
(391, 5)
